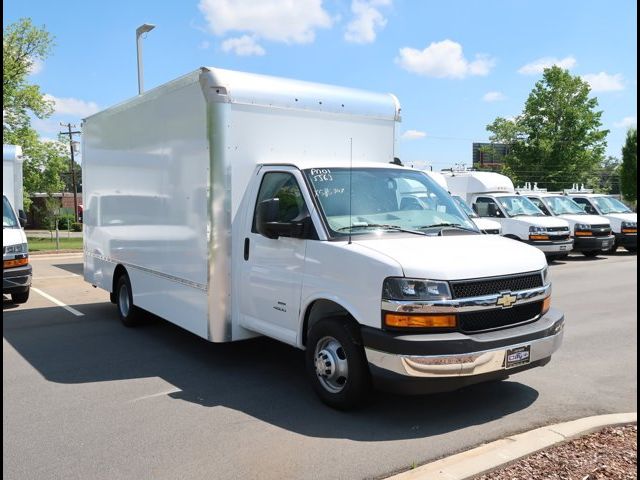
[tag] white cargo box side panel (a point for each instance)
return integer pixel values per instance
(261, 135)
(145, 180)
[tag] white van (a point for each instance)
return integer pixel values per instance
(485, 225)
(591, 233)
(16, 271)
(278, 213)
(493, 195)
(624, 222)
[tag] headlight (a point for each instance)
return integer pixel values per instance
(19, 248)
(545, 276)
(537, 229)
(396, 288)
(582, 226)
(629, 224)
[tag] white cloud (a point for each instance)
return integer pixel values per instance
(287, 21)
(627, 123)
(204, 45)
(413, 135)
(603, 82)
(36, 66)
(73, 106)
(367, 20)
(443, 60)
(243, 46)
(493, 97)
(538, 66)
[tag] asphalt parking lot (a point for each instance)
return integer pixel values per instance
(85, 397)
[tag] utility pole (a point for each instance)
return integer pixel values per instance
(73, 166)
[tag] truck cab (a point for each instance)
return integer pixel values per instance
(493, 196)
(624, 222)
(591, 233)
(16, 270)
(486, 225)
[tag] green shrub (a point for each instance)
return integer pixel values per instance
(76, 227)
(65, 221)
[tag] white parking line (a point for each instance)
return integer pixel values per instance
(159, 394)
(58, 302)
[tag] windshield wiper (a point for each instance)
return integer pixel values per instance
(380, 225)
(454, 225)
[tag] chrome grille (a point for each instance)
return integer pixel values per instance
(495, 285)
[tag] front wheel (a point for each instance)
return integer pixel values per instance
(591, 253)
(631, 249)
(336, 364)
(21, 297)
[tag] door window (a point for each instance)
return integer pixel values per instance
(586, 205)
(538, 203)
(487, 207)
(284, 187)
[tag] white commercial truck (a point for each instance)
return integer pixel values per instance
(624, 222)
(591, 233)
(485, 225)
(493, 195)
(16, 271)
(237, 205)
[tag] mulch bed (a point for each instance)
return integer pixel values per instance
(609, 454)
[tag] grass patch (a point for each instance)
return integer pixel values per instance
(42, 244)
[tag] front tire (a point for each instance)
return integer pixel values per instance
(336, 364)
(21, 297)
(129, 314)
(631, 249)
(591, 253)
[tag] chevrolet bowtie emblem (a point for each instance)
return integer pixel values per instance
(506, 300)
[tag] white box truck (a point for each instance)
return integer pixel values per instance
(624, 222)
(493, 195)
(16, 271)
(591, 233)
(236, 205)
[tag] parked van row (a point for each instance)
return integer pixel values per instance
(554, 222)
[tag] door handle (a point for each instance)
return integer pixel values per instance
(246, 248)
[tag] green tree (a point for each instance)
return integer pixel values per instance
(557, 140)
(629, 168)
(23, 46)
(607, 178)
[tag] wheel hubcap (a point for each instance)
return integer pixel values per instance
(331, 364)
(123, 300)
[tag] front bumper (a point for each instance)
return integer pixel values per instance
(626, 239)
(431, 363)
(16, 279)
(585, 244)
(552, 246)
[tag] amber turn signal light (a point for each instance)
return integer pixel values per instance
(18, 262)
(419, 321)
(546, 305)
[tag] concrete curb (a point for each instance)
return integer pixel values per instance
(501, 452)
(47, 254)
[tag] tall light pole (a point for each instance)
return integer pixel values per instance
(144, 28)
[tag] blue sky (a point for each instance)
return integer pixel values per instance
(454, 65)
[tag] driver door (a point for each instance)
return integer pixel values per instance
(272, 269)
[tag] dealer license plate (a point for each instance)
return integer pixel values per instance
(563, 247)
(606, 243)
(518, 356)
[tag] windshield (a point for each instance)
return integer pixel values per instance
(560, 205)
(383, 199)
(518, 205)
(8, 217)
(610, 205)
(463, 205)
